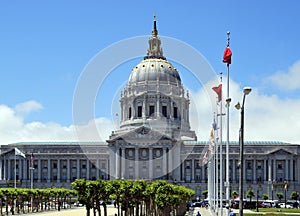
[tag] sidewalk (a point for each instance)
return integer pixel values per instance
(74, 211)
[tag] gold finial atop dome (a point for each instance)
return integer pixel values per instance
(154, 31)
(154, 50)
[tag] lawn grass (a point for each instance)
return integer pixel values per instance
(274, 212)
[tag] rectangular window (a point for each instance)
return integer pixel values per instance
(151, 110)
(139, 112)
(175, 112)
(279, 165)
(164, 111)
(54, 165)
(258, 165)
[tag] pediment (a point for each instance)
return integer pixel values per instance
(280, 152)
(141, 134)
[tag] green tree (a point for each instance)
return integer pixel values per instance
(294, 195)
(250, 194)
(80, 186)
(234, 194)
(204, 193)
(279, 195)
(265, 196)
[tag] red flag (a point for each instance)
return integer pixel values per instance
(227, 56)
(218, 90)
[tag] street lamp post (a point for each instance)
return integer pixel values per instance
(285, 189)
(257, 196)
(246, 91)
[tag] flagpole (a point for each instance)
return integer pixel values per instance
(228, 100)
(214, 162)
(221, 155)
(15, 182)
(217, 170)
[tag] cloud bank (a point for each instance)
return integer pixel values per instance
(289, 80)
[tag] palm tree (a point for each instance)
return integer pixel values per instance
(279, 195)
(234, 194)
(250, 194)
(204, 193)
(265, 196)
(294, 196)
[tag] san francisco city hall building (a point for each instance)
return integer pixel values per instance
(154, 141)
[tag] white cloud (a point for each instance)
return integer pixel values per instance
(27, 107)
(287, 80)
(267, 118)
(14, 129)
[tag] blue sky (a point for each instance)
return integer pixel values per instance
(45, 46)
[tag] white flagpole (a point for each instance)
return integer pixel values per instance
(228, 100)
(221, 155)
(217, 171)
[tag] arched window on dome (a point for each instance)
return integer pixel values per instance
(129, 113)
(139, 111)
(175, 112)
(151, 110)
(164, 111)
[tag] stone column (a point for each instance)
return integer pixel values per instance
(117, 165)
(292, 169)
(20, 166)
(68, 170)
(9, 169)
(144, 108)
(157, 106)
(150, 162)
(87, 169)
(78, 168)
(164, 161)
(270, 171)
(286, 172)
(254, 170)
(274, 169)
(123, 163)
(58, 170)
(25, 170)
(39, 170)
(97, 169)
(49, 168)
(171, 109)
(170, 163)
(193, 170)
(136, 162)
(297, 168)
(265, 170)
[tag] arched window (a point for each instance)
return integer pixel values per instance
(129, 113)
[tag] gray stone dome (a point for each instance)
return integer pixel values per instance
(155, 70)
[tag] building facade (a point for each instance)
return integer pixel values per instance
(154, 141)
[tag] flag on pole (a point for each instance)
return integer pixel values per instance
(227, 55)
(218, 90)
(205, 158)
(32, 158)
(18, 152)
